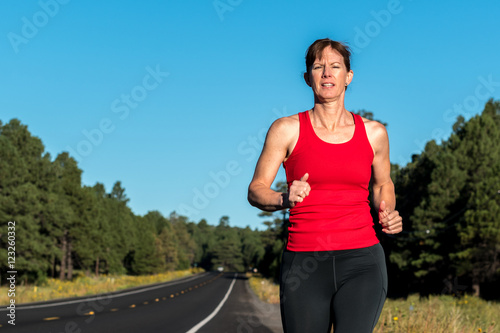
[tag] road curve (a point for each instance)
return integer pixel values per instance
(175, 306)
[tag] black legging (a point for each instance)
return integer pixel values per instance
(346, 287)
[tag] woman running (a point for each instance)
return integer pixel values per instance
(333, 268)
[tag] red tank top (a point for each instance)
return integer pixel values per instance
(336, 214)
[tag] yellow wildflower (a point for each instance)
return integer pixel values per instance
(395, 318)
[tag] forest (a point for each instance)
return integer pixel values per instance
(448, 195)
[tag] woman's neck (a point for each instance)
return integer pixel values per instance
(330, 115)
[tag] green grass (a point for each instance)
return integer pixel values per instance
(85, 286)
(440, 313)
(436, 314)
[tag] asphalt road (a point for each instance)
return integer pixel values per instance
(209, 302)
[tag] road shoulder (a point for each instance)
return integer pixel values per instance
(268, 314)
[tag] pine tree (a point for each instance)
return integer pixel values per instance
(227, 248)
(25, 178)
(146, 259)
(204, 238)
(119, 246)
(252, 248)
(448, 199)
(186, 246)
(66, 213)
(478, 254)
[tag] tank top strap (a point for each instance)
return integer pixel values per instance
(360, 130)
(304, 123)
(305, 129)
(361, 137)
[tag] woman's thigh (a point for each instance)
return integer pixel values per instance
(362, 289)
(306, 287)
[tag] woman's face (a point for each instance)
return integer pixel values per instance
(328, 76)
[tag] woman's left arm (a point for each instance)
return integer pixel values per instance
(384, 197)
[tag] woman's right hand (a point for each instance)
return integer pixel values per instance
(297, 192)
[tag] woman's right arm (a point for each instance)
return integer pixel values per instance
(279, 138)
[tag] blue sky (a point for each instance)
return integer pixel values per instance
(173, 98)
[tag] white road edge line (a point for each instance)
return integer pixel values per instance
(104, 296)
(206, 320)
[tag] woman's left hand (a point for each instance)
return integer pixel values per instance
(391, 222)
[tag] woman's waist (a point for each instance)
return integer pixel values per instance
(329, 222)
(331, 207)
(330, 236)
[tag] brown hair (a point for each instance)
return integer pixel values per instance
(316, 50)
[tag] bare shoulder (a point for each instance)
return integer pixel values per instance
(375, 130)
(285, 128)
(283, 135)
(377, 135)
(286, 124)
